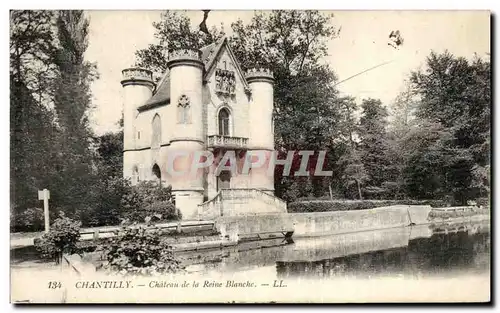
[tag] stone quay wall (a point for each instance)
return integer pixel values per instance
(325, 223)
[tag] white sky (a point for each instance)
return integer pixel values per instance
(116, 35)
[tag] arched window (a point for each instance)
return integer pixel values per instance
(156, 173)
(183, 114)
(224, 122)
(156, 132)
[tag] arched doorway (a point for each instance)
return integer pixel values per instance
(156, 173)
(224, 180)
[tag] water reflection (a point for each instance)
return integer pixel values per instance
(440, 254)
(408, 252)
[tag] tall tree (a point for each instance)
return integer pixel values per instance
(374, 144)
(292, 43)
(426, 160)
(354, 170)
(173, 31)
(402, 110)
(72, 101)
(110, 154)
(32, 123)
(456, 93)
(32, 46)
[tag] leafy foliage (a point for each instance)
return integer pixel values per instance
(148, 200)
(373, 143)
(173, 31)
(63, 236)
(348, 205)
(50, 100)
(31, 219)
(110, 154)
(456, 94)
(32, 158)
(32, 47)
(437, 145)
(139, 251)
(354, 170)
(72, 101)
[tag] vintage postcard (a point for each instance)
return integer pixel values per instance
(250, 156)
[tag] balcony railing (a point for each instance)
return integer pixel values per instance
(219, 141)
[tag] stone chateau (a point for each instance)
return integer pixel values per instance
(204, 102)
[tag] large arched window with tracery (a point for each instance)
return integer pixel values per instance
(224, 122)
(183, 110)
(156, 132)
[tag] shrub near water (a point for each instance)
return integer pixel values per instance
(63, 236)
(139, 251)
(348, 205)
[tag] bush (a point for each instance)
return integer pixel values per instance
(298, 187)
(148, 199)
(485, 202)
(62, 238)
(139, 251)
(30, 220)
(107, 196)
(347, 205)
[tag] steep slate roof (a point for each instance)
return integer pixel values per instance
(162, 92)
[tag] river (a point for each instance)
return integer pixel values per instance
(436, 263)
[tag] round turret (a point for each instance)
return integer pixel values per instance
(188, 138)
(185, 57)
(261, 82)
(261, 106)
(137, 76)
(137, 89)
(259, 74)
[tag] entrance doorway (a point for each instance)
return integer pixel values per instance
(157, 173)
(224, 180)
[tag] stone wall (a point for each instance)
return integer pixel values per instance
(347, 221)
(326, 223)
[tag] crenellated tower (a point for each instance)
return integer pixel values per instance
(188, 138)
(137, 89)
(261, 82)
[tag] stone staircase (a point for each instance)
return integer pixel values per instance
(238, 202)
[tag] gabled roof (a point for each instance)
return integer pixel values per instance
(161, 94)
(209, 55)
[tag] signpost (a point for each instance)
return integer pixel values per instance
(45, 196)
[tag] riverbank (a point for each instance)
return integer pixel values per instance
(341, 222)
(263, 226)
(406, 255)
